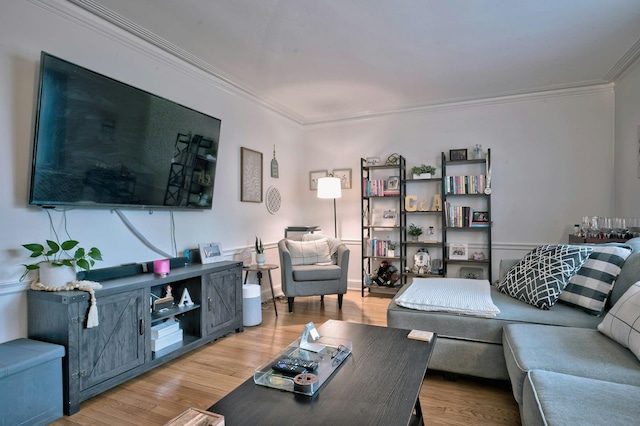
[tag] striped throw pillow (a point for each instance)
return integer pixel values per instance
(590, 287)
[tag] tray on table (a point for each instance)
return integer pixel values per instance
(329, 352)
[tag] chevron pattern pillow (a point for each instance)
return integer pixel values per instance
(540, 276)
(590, 287)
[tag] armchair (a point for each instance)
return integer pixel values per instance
(313, 265)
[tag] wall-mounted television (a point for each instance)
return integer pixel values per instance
(103, 143)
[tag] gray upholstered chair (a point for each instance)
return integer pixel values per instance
(313, 265)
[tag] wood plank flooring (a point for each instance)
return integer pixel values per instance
(202, 377)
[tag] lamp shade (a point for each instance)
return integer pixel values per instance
(329, 187)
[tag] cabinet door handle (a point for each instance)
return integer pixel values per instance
(209, 307)
(141, 326)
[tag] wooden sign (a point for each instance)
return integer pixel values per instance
(413, 204)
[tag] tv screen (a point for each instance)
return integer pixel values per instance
(102, 143)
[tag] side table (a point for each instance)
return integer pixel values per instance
(258, 270)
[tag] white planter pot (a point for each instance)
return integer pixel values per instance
(391, 253)
(56, 276)
(260, 258)
(422, 176)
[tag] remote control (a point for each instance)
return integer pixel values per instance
(289, 370)
(294, 366)
(299, 362)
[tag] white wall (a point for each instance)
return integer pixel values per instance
(553, 154)
(552, 160)
(26, 28)
(627, 158)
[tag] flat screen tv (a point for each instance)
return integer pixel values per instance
(102, 143)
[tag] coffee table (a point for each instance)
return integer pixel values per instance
(379, 383)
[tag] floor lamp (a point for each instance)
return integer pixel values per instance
(330, 187)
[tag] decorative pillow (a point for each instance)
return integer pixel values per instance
(591, 285)
(539, 277)
(308, 252)
(622, 322)
(334, 243)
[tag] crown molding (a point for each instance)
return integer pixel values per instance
(583, 89)
(103, 21)
(628, 60)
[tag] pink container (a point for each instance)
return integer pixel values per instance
(161, 267)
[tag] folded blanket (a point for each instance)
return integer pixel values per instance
(453, 295)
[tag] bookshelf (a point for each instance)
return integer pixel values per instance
(466, 215)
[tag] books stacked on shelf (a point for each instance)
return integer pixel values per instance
(381, 187)
(373, 187)
(465, 217)
(165, 334)
(473, 184)
(377, 248)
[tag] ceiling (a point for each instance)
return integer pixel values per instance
(322, 60)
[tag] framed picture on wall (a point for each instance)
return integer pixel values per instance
(345, 177)
(314, 176)
(250, 175)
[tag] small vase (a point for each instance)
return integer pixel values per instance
(56, 276)
(260, 259)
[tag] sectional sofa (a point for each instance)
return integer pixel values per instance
(563, 369)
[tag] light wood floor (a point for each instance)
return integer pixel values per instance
(202, 377)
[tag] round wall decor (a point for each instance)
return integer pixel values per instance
(273, 200)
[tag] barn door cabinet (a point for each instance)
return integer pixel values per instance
(120, 347)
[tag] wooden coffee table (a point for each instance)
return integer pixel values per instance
(379, 383)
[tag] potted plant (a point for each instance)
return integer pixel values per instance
(58, 264)
(423, 171)
(260, 256)
(414, 231)
(391, 249)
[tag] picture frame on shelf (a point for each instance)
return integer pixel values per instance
(373, 161)
(384, 217)
(393, 183)
(314, 176)
(345, 177)
(480, 219)
(250, 175)
(457, 154)
(458, 251)
(210, 252)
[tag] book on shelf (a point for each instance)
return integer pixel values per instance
(470, 184)
(381, 187)
(465, 217)
(373, 187)
(377, 248)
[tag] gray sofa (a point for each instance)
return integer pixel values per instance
(537, 351)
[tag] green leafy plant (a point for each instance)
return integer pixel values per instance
(415, 230)
(259, 246)
(60, 255)
(392, 246)
(423, 168)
